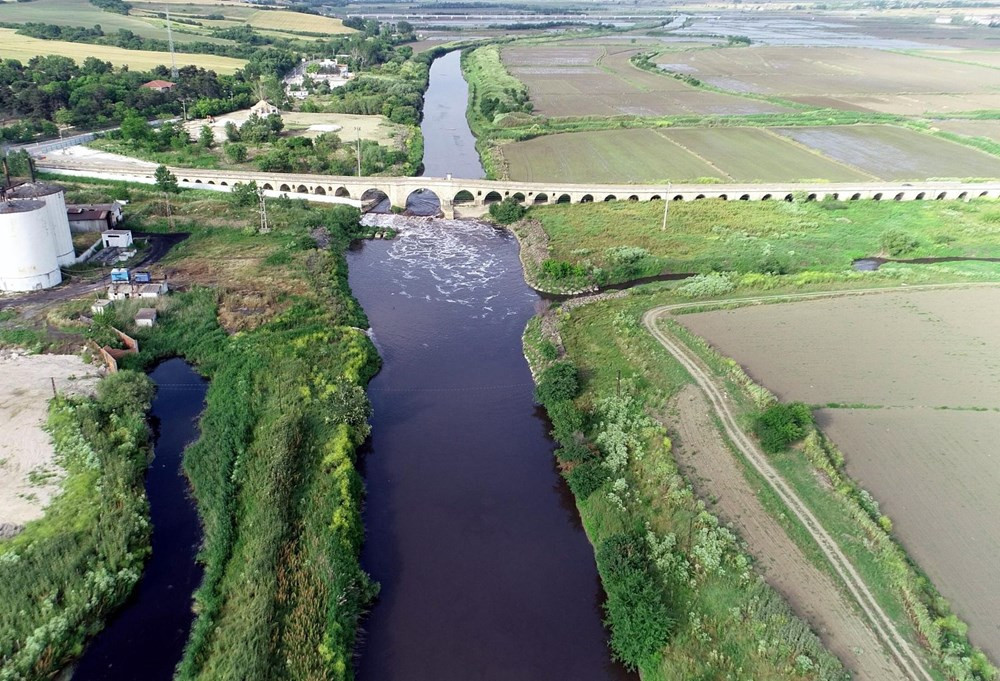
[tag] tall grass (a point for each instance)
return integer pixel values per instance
(66, 572)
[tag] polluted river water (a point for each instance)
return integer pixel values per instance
(485, 569)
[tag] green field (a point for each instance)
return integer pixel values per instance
(79, 13)
(761, 237)
(757, 155)
(639, 156)
(23, 48)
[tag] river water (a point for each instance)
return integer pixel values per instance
(145, 639)
(485, 569)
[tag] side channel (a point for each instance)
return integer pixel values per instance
(146, 638)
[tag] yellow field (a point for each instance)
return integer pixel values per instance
(295, 21)
(23, 48)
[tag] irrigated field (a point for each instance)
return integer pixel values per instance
(641, 156)
(896, 153)
(833, 153)
(848, 78)
(595, 80)
(931, 360)
(13, 46)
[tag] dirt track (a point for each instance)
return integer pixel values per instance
(708, 463)
(907, 659)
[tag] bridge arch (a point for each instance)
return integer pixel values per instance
(877, 197)
(655, 197)
(610, 197)
(563, 198)
(678, 197)
(963, 196)
(462, 197)
(789, 198)
(587, 198)
(541, 198)
(699, 197)
(319, 190)
(941, 196)
(518, 196)
(197, 181)
(983, 194)
(492, 197)
(633, 198)
(723, 197)
(811, 197)
(375, 200)
(898, 197)
(223, 183)
(766, 197)
(211, 182)
(920, 197)
(855, 196)
(267, 185)
(302, 189)
(342, 192)
(423, 201)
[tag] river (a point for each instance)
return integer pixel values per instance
(145, 639)
(485, 569)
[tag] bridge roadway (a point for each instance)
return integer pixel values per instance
(454, 192)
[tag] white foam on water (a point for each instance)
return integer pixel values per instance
(459, 257)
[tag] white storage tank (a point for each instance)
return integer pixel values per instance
(54, 198)
(27, 253)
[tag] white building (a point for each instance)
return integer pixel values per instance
(27, 250)
(116, 238)
(146, 316)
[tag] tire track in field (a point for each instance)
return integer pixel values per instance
(909, 662)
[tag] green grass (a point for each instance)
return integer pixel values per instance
(761, 237)
(78, 13)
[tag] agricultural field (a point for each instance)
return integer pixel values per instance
(23, 48)
(598, 80)
(297, 22)
(861, 153)
(848, 78)
(78, 13)
(971, 128)
(893, 153)
(921, 375)
(639, 155)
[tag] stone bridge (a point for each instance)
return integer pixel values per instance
(455, 193)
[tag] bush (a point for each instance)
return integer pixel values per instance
(559, 382)
(636, 612)
(125, 391)
(586, 478)
(896, 242)
(566, 419)
(560, 269)
(507, 211)
(781, 425)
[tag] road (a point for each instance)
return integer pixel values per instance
(909, 661)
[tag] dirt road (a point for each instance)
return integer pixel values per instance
(908, 661)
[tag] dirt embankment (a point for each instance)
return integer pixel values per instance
(29, 475)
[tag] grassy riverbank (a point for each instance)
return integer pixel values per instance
(620, 241)
(269, 319)
(67, 572)
(627, 384)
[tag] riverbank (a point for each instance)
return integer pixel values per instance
(277, 331)
(607, 343)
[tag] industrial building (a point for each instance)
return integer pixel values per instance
(54, 198)
(94, 217)
(27, 247)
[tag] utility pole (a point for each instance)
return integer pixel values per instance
(264, 229)
(170, 215)
(170, 40)
(358, 130)
(666, 207)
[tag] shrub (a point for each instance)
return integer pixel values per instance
(560, 269)
(507, 211)
(712, 284)
(586, 478)
(559, 382)
(896, 242)
(566, 419)
(548, 350)
(125, 391)
(781, 425)
(636, 612)
(165, 180)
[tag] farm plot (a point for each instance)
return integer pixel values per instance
(587, 80)
(296, 21)
(934, 469)
(76, 13)
(988, 129)
(756, 155)
(639, 156)
(13, 46)
(848, 77)
(896, 153)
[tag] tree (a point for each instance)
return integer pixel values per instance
(245, 194)
(166, 181)
(559, 382)
(235, 152)
(507, 211)
(135, 127)
(206, 138)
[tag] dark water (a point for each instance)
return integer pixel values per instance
(485, 569)
(146, 638)
(449, 146)
(872, 264)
